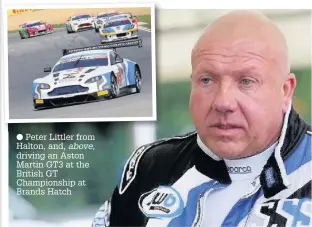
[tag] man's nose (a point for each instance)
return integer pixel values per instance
(225, 100)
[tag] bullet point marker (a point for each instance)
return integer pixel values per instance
(19, 137)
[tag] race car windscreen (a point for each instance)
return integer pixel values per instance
(81, 17)
(105, 15)
(34, 24)
(80, 62)
(117, 23)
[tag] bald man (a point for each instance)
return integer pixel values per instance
(249, 161)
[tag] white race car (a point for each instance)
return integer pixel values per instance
(79, 22)
(116, 29)
(101, 19)
(86, 74)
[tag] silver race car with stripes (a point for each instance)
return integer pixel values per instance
(86, 74)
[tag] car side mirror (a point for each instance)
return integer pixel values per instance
(47, 70)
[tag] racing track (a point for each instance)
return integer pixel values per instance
(27, 58)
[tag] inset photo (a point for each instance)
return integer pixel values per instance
(81, 64)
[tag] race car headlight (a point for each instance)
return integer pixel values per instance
(75, 23)
(44, 86)
(93, 79)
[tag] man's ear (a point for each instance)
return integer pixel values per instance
(288, 89)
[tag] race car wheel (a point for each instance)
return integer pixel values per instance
(22, 37)
(68, 32)
(114, 86)
(138, 79)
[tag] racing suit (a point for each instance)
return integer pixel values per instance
(150, 192)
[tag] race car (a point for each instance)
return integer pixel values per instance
(134, 19)
(86, 74)
(116, 29)
(34, 28)
(79, 22)
(100, 20)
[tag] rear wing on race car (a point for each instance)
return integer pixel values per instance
(137, 42)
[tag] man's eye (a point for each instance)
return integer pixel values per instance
(205, 80)
(246, 82)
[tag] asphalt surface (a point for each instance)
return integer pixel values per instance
(28, 57)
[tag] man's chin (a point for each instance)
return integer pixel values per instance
(228, 150)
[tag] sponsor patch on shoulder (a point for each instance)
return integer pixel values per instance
(130, 168)
(162, 202)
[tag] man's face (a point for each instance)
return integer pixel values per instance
(238, 96)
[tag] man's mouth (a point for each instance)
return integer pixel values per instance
(226, 126)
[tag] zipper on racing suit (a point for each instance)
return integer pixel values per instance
(253, 189)
(201, 203)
